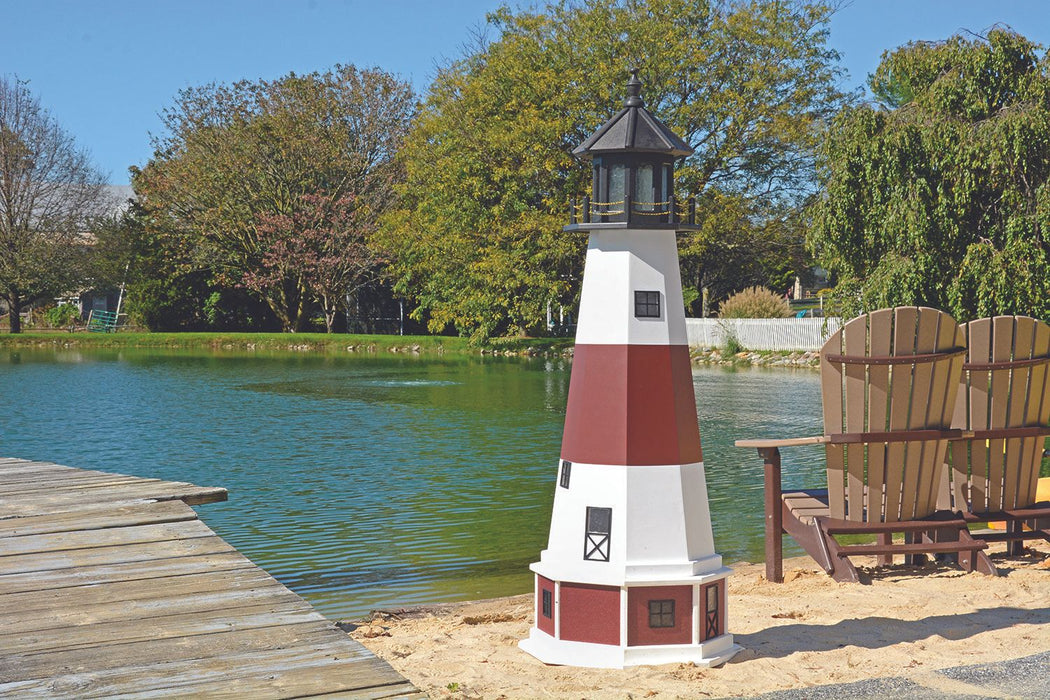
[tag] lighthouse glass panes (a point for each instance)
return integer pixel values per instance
(647, 304)
(548, 604)
(644, 189)
(596, 539)
(617, 188)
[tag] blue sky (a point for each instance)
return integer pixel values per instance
(106, 68)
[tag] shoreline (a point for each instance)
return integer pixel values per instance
(908, 623)
(370, 345)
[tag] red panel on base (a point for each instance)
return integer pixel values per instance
(590, 613)
(639, 633)
(631, 405)
(546, 624)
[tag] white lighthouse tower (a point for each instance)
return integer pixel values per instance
(630, 575)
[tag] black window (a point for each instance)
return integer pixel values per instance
(647, 304)
(548, 602)
(596, 539)
(566, 473)
(661, 613)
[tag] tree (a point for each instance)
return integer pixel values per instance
(323, 244)
(241, 164)
(940, 194)
(165, 290)
(489, 171)
(49, 195)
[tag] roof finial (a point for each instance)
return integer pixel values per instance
(634, 90)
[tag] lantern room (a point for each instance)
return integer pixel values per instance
(632, 176)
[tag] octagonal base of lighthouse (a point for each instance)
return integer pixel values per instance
(630, 576)
(629, 641)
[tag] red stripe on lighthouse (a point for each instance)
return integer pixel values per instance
(631, 405)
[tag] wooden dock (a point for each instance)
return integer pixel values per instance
(110, 585)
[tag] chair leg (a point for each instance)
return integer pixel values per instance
(1015, 547)
(885, 538)
(975, 559)
(821, 546)
(845, 571)
(774, 508)
(914, 559)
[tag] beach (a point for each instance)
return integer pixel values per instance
(809, 631)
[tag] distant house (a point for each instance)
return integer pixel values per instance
(118, 199)
(817, 279)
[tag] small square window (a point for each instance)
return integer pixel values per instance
(548, 604)
(596, 537)
(566, 473)
(647, 304)
(599, 520)
(661, 613)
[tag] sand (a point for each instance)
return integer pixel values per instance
(807, 631)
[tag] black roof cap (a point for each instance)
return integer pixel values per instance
(633, 130)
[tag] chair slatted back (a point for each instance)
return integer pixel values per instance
(890, 371)
(1005, 390)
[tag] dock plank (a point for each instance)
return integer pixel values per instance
(179, 625)
(70, 541)
(122, 591)
(57, 500)
(258, 674)
(97, 517)
(173, 675)
(18, 666)
(111, 585)
(105, 573)
(48, 561)
(65, 614)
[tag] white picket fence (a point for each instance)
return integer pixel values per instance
(785, 334)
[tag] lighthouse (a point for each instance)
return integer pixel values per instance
(630, 575)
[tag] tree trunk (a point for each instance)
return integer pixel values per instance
(14, 305)
(330, 310)
(286, 303)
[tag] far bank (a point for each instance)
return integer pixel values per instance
(343, 343)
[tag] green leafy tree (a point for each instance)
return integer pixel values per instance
(165, 289)
(237, 156)
(940, 194)
(489, 170)
(50, 195)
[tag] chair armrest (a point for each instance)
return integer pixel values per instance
(765, 443)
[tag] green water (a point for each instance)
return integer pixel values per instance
(364, 482)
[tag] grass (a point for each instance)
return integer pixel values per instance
(310, 342)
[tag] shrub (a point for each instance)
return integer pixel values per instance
(62, 316)
(755, 302)
(730, 343)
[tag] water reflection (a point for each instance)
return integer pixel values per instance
(362, 481)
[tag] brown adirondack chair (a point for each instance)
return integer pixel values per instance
(1004, 400)
(889, 380)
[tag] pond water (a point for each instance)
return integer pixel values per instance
(363, 482)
